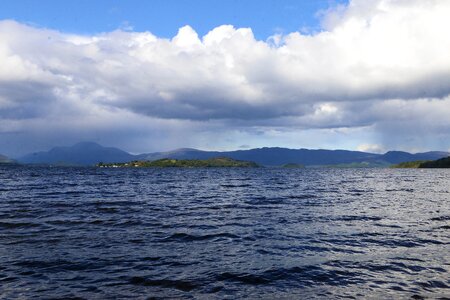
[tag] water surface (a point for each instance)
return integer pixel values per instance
(224, 233)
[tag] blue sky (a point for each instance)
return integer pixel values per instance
(164, 17)
(221, 75)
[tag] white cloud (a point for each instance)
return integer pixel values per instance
(371, 148)
(379, 63)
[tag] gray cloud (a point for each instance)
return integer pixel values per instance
(377, 64)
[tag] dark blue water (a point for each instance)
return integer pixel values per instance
(224, 233)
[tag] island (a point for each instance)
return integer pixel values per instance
(440, 163)
(219, 162)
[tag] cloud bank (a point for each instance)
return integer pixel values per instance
(379, 65)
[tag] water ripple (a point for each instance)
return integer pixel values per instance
(86, 233)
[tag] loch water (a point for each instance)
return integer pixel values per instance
(262, 233)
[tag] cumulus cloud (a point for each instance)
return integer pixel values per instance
(382, 64)
(371, 148)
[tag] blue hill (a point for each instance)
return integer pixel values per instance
(85, 153)
(89, 153)
(396, 157)
(280, 156)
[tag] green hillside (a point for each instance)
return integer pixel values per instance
(440, 163)
(409, 164)
(220, 162)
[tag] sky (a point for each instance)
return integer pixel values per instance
(163, 18)
(145, 76)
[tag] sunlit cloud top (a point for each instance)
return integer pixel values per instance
(376, 66)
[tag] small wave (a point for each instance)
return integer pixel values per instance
(303, 196)
(265, 200)
(128, 223)
(152, 258)
(235, 185)
(244, 278)
(394, 243)
(433, 284)
(383, 267)
(107, 210)
(12, 225)
(443, 227)
(359, 191)
(428, 241)
(62, 265)
(65, 222)
(441, 218)
(408, 259)
(114, 203)
(305, 276)
(409, 267)
(185, 237)
(367, 234)
(182, 285)
(136, 241)
(61, 204)
(391, 243)
(387, 225)
(400, 190)
(41, 264)
(358, 218)
(8, 279)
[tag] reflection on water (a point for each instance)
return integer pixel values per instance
(224, 233)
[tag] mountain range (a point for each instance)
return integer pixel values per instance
(83, 154)
(89, 153)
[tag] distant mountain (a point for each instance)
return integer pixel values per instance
(6, 160)
(88, 153)
(83, 154)
(281, 156)
(396, 157)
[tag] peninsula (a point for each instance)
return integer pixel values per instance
(440, 163)
(219, 162)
